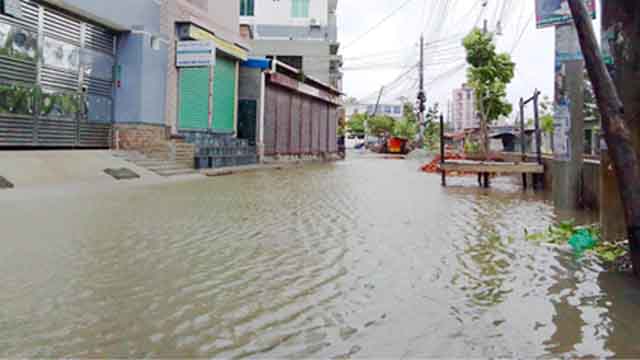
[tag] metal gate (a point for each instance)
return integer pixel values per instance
(56, 79)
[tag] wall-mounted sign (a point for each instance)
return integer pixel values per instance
(195, 53)
(557, 12)
(567, 44)
(198, 33)
(11, 7)
(561, 133)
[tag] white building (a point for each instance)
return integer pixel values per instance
(391, 110)
(301, 33)
(463, 107)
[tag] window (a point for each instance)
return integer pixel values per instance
(299, 8)
(247, 8)
(397, 110)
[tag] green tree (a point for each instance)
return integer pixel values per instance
(408, 112)
(432, 128)
(545, 107)
(380, 125)
(489, 74)
(356, 125)
(405, 128)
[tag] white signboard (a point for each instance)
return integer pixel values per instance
(562, 129)
(195, 53)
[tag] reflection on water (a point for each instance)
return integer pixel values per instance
(366, 258)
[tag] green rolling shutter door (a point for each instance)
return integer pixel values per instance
(224, 94)
(194, 98)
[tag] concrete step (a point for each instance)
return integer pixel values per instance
(183, 146)
(149, 162)
(176, 172)
(170, 165)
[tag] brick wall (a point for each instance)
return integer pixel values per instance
(138, 137)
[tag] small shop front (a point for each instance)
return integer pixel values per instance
(208, 81)
(208, 74)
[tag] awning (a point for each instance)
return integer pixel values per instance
(257, 63)
(194, 32)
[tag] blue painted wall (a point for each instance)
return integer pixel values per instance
(141, 97)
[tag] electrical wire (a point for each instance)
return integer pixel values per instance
(378, 24)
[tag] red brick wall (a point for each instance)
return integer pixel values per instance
(138, 137)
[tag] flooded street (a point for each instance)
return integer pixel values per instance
(366, 258)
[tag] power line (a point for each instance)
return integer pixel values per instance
(389, 16)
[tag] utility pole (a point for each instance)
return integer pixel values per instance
(366, 122)
(422, 98)
(568, 119)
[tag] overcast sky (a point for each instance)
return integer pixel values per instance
(379, 57)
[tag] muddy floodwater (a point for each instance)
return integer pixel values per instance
(366, 258)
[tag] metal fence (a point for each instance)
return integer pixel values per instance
(297, 124)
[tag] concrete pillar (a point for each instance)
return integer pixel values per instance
(569, 120)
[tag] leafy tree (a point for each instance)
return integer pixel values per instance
(405, 128)
(408, 112)
(356, 124)
(432, 129)
(380, 125)
(489, 74)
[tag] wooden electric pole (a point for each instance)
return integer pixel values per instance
(615, 116)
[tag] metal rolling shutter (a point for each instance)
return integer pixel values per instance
(270, 116)
(315, 126)
(224, 94)
(323, 127)
(294, 139)
(283, 121)
(305, 129)
(194, 98)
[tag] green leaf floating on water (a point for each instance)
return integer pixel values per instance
(582, 239)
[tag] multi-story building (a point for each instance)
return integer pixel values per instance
(95, 73)
(300, 33)
(463, 107)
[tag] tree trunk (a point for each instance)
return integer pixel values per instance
(484, 130)
(616, 131)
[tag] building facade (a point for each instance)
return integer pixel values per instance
(70, 69)
(463, 107)
(387, 109)
(95, 73)
(300, 33)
